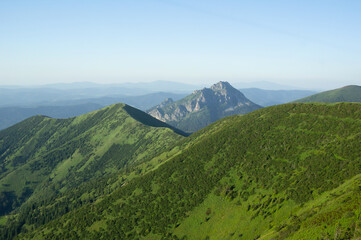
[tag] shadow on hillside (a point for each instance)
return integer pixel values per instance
(148, 120)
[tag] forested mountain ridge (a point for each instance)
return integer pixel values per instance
(284, 172)
(203, 107)
(42, 157)
(351, 93)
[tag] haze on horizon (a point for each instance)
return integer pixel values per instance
(308, 44)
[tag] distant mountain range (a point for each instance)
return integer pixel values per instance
(266, 85)
(142, 102)
(350, 93)
(71, 108)
(203, 107)
(129, 88)
(267, 98)
(12, 115)
(51, 94)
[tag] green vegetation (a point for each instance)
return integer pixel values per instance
(345, 94)
(288, 171)
(42, 158)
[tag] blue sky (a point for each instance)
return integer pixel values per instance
(311, 44)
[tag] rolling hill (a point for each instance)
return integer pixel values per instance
(350, 93)
(42, 157)
(203, 107)
(290, 171)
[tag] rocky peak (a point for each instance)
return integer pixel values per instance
(221, 86)
(206, 106)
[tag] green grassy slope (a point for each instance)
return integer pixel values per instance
(267, 174)
(350, 93)
(43, 157)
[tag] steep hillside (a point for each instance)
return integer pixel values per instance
(203, 107)
(287, 171)
(350, 93)
(42, 157)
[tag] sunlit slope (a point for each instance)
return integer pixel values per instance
(42, 156)
(243, 177)
(350, 93)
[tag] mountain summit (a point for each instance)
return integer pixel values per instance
(203, 107)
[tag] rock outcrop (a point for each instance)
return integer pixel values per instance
(203, 107)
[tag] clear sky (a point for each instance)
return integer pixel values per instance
(307, 43)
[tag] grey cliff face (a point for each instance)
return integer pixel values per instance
(218, 101)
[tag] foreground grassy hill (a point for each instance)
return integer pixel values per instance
(289, 171)
(350, 93)
(43, 157)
